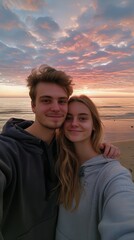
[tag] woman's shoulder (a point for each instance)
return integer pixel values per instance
(105, 169)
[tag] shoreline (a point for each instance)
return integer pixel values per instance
(127, 154)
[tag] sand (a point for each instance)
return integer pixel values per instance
(127, 154)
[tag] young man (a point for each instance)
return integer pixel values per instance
(28, 151)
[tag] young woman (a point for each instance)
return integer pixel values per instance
(97, 193)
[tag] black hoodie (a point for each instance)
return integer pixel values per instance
(28, 201)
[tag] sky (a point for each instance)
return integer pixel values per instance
(91, 40)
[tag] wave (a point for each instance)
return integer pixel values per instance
(129, 115)
(15, 111)
(110, 106)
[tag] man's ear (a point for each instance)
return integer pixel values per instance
(33, 106)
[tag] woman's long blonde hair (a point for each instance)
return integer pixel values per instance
(68, 165)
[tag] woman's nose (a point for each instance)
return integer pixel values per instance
(74, 122)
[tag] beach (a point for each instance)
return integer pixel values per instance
(127, 154)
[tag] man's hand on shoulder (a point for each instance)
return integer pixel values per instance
(109, 150)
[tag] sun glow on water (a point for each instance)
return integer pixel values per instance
(22, 91)
(13, 91)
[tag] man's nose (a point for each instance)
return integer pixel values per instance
(55, 106)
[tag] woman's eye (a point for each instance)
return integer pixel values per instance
(82, 119)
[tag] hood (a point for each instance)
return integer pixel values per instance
(15, 127)
(94, 164)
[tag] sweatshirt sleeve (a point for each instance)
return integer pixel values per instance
(117, 217)
(2, 186)
(5, 175)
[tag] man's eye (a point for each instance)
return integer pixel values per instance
(63, 101)
(46, 100)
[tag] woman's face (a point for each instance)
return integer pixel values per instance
(78, 125)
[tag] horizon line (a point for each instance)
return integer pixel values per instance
(91, 96)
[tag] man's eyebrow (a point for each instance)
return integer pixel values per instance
(45, 96)
(63, 98)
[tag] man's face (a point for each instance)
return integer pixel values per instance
(50, 106)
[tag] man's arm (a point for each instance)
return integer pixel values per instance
(2, 186)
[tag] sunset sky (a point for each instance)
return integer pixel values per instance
(91, 40)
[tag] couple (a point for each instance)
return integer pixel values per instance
(33, 182)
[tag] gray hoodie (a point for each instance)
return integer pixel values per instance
(106, 209)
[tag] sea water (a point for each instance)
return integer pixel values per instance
(117, 115)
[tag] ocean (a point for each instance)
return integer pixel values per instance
(117, 115)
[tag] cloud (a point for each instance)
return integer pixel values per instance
(91, 40)
(45, 28)
(27, 5)
(12, 30)
(116, 10)
(8, 20)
